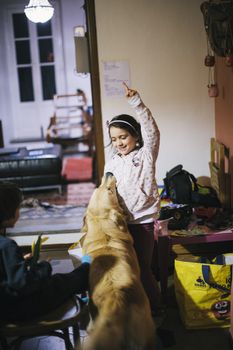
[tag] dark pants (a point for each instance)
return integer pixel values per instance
(53, 292)
(143, 236)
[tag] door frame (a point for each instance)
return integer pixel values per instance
(89, 7)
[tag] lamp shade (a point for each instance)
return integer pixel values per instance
(39, 11)
(81, 50)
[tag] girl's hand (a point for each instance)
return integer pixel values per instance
(129, 92)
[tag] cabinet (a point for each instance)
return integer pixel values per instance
(71, 123)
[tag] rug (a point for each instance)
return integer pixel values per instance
(72, 194)
(53, 213)
(53, 219)
(77, 169)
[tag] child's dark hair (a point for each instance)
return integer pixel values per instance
(129, 123)
(10, 199)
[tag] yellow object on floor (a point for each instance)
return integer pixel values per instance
(203, 294)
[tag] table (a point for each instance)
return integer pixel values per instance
(165, 242)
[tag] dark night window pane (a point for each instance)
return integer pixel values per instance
(20, 25)
(23, 55)
(46, 50)
(48, 82)
(25, 84)
(44, 29)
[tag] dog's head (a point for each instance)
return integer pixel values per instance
(104, 213)
(104, 197)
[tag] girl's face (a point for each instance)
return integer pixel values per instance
(122, 140)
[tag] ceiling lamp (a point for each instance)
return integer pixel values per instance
(39, 11)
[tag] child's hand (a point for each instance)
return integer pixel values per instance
(129, 92)
(86, 259)
(27, 256)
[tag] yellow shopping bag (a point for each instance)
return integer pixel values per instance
(203, 293)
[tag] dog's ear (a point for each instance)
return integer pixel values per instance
(82, 239)
(118, 219)
(84, 228)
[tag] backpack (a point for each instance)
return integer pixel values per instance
(179, 185)
(182, 188)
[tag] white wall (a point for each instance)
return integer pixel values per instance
(165, 45)
(72, 14)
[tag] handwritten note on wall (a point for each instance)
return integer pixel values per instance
(115, 72)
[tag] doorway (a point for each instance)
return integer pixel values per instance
(40, 61)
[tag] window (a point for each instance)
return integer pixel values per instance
(45, 61)
(23, 57)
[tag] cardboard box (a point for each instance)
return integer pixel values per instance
(219, 172)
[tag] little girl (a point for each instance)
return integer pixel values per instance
(133, 165)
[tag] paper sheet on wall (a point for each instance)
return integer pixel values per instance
(115, 72)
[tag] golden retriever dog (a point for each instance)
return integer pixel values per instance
(123, 318)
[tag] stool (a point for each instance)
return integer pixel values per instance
(56, 323)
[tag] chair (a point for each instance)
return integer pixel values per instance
(71, 123)
(56, 323)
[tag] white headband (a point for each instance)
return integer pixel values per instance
(121, 121)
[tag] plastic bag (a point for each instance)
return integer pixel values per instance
(203, 293)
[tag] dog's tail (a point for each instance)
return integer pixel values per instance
(110, 327)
